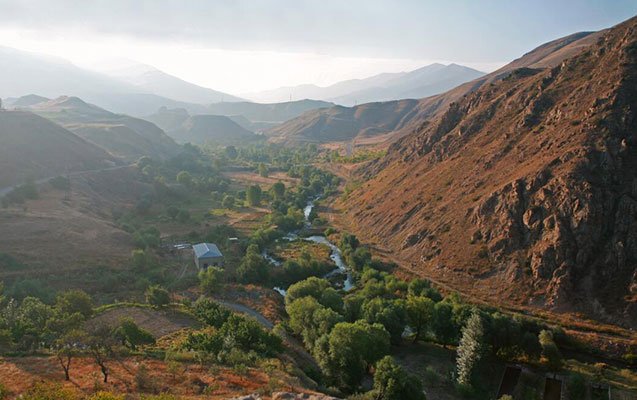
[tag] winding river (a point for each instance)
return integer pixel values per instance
(335, 252)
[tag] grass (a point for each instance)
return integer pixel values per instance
(621, 378)
(294, 250)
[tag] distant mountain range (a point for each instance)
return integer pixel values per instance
(22, 73)
(383, 123)
(423, 82)
(151, 80)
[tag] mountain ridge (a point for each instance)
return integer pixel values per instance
(523, 188)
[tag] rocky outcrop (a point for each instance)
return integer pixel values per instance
(525, 189)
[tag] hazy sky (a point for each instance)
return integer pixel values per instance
(248, 45)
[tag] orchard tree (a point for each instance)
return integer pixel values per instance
(101, 344)
(74, 301)
(278, 189)
(470, 349)
(210, 279)
(253, 195)
(263, 170)
(68, 347)
(392, 382)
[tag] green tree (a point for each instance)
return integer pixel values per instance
(172, 211)
(253, 267)
(349, 350)
(311, 320)
(263, 170)
(442, 324)
(67, 347)
(74, 301)
(228, 202)
(210, 312)
(390, 313)
(131, 335)
(318, 288)
(550, 352)
(210, 279)
(184, 178)
(470, 349)
(253, 195)
(420, 310)
(183, 216)
(100, 343)
(157, 296)
(231, 152)
(278, 189)
(392, 382)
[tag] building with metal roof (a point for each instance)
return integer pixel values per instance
(206, 255)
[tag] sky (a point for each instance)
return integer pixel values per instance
(242, 46)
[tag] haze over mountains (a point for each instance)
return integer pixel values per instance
(23, 73)
(423, 82)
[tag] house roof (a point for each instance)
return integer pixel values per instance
(206, 250)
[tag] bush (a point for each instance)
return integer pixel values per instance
(132, 335)
(210, 312)
(157, 296)
(210, 279)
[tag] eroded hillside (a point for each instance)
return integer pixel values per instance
(525, 189)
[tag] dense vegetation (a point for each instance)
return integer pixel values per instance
(351, 334)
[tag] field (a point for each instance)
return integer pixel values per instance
(185, 379)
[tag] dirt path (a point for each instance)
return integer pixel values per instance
(266, 323)
(302, 355)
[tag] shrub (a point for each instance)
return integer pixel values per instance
(157, 296)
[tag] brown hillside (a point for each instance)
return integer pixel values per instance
(126, 137)
(391, 120)
(32, 147)
(524, 190)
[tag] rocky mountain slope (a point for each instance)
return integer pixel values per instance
(32, 147)
(123, 136)
(352, 124)
(523, 187)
